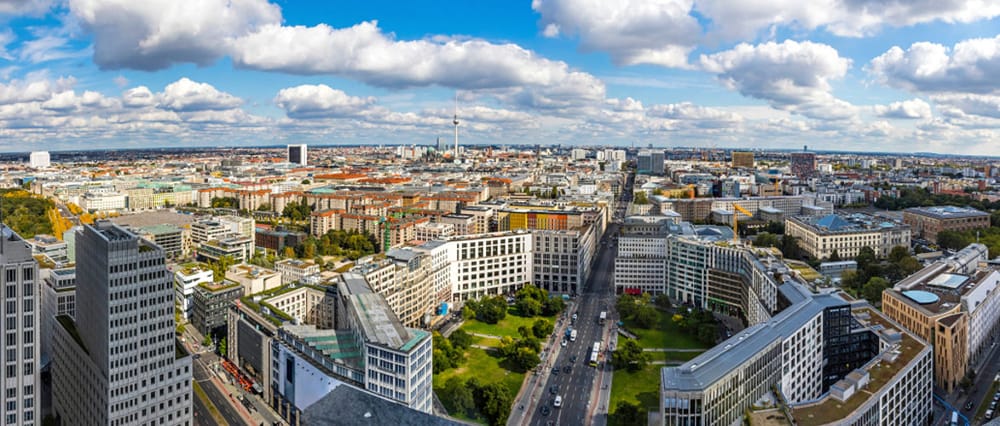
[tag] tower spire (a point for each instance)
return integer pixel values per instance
(455, 122)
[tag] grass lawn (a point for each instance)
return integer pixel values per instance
(486, 341)
(506, 327)
(639, 387)
(672, 356)
(485, 367)
(665, 334)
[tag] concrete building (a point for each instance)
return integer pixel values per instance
(58, 298)
(21, 357)
(406, 281)
(803, 164)
(434, 231)
(462, 224)
(254, 279)
(651, 162)
(563, 258)
(169, 237)
(238, 247)
(297, 154)
(39, 159)
(210, 305)
(293, 270)
(125, 366)
(846, 234)
(641, 263)
(186, 279)
(954, 305)
(742, 160)
(474, 266)
(50, 247)
(276, 241)
(95, 203)
(305, 304)
(832, 362)
(927, 222)
(213, 229)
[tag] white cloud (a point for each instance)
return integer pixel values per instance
(913, 108)
(698, 116)
(186, 95)
(320, 101)
(138, 97)
(793, 76)
(660, 32)
(970, 66)
(155, 34)
(960, 105)
(24, 7)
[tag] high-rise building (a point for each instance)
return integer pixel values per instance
(742, 160)
(39, 159)
(650, 162)
(122, 364)
(803, 164)
(20, 322)
(297, 154)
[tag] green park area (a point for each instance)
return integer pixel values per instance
(638, 389)
(479, 368)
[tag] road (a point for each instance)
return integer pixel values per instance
(221, 401)
(982, 384)
(579, 387)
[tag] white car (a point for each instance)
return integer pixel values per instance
(558, 402)
(564, 343)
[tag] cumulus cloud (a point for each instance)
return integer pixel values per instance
(155, 34)
(700, 116)
(970, 66)
(320, 101)
(186, 95)
(660, 32)
(960, 105)
(913, 108)
(793, 76)
(24, 7)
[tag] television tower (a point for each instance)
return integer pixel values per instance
(455, 122)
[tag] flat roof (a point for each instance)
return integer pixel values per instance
(377, 321)
(947, 212)
(949, 281)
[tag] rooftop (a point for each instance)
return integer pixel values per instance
(881, 371)
(947, 212)
(338, 345)
(349, 406)
(846, 224)
(377, 321)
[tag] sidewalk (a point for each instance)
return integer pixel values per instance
(599, 402)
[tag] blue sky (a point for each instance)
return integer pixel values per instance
(899, 75)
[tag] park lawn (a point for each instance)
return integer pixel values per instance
(666, 334)
(642, 387)
(486, 341)
(506, 327)
(672, 356)
(486, 368)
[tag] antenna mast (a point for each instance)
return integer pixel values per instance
(455, 122)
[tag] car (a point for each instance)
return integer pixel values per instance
(568, 369)
(563, 344)
(557, 402)
(546, 410)
(989, 414)
(996, 396)
(554, 389)
(968, 406)
(572, 359)
(555, 371)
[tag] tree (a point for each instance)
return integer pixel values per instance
(542, 328)
(865, 257)
(507, 346)
(305, 181)
(206, 341)
(628, 414)
(898, 253)
(626, 305)
(640, 198)
(491, 309)
(524, 331)
(459, 396)
(662, 301)
(646, 316)
(529, 307)
(495, 402)
(707, 333)
(872, 290)
(835, 256)
(629, 355)
(223, 346)
(525, 358)
(952, 240)
(460, 340)
(289, 252)
(766, 239)
(309, 249)
(553, 305)
(790, 247)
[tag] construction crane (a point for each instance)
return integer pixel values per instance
(736, 212)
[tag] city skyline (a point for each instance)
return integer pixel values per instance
(92, 74)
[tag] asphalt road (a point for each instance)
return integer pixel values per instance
(577, 387)
(221, 401)
(982, 384)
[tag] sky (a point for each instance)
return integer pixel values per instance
(851, 75)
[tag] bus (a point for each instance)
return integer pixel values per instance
(594, 354)
(604, 316)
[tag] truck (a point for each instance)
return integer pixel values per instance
(572, 336)
(603, 317)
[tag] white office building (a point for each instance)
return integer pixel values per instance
(122, 365)
(39, 159)
(21, 356)
(185, 281)
(481, 265)
(93, 202)
(982, 303)
(563, 258)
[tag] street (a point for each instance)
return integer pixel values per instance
(584, 389)
(979, 389)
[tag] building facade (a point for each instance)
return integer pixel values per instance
(927, 222)
(820, 237)
(21, 317)
(124, 365)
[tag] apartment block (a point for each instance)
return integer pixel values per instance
(474, 266)
(406, 281)
(186, 279)
(210, 305)
(293, 270)
(21, 323)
